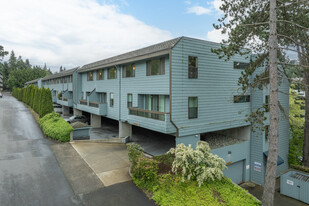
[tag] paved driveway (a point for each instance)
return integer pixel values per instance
(29, 172)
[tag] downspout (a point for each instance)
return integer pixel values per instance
(170, 79)
(119, 85)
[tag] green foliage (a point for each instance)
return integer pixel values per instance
(200, 164)
(300, 167)
(297, 123)
(40, 100)
(145, 173)
(16, 72)
(172, 191)
(55, 127)
(135, 151)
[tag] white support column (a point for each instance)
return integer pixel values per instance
(77, 112)
(125, 129)
(95, 121)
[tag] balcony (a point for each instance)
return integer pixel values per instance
(65, 102)
(93, 107)
(154, 120)
(147, 113)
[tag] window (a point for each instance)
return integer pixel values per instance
(193, 107)
(266, 105)
(155, 67)
(266, 132)
(100, 74)
(111, 100)
(129, 100)
(128, 71)
(70, 79)
(241, 98)
(112, 73)
(192, 68)
(90, 76)
(240, 65)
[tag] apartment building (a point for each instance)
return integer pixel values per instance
(179, 87)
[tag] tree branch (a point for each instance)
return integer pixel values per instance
(290, 22)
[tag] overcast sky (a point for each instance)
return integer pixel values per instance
(72, 33)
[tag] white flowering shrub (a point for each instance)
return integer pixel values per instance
(200, 164)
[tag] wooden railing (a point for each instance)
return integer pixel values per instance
(94, 104)
(147, 113)
(83, 102)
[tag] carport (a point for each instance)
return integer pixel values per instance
(153, 143)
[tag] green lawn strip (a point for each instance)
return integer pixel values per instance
(55, 127)
(171, 191)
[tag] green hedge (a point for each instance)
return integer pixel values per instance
(39, 99)
(55, 127)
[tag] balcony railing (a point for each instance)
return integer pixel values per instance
(94, 104)
(83, 102)
(147, 113)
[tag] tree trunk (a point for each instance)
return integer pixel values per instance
(306, 132)
(271, 167)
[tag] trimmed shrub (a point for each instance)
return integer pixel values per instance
(55, 127)
(145, 174)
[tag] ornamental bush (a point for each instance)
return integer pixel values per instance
(200, 164)
(55, 127)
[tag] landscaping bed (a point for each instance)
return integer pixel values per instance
(169, 184)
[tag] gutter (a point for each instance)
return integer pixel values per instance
(170, 93)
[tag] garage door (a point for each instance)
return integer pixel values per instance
(235, 172)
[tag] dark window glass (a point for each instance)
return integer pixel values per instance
(90, 76)
(100, 75)
(112, 73)
(128, 71)
(193, 107)
(129, 100)
(241, 98)
(192, 67)
(266, 105)
(240, 65)
(155, 67)
(266, 132)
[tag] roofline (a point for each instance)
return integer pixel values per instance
(124, 61)
(98, 64)
(58, 75)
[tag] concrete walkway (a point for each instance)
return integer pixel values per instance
(98, 173)
(108, 160)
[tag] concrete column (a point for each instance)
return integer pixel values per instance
(65, 110)
(77, 112)
(125, 129)
(95, 121)
(189, 139)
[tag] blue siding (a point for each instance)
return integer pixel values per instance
(215, 87)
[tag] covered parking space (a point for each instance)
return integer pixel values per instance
(153, 143)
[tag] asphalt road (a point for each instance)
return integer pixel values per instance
(29, 172)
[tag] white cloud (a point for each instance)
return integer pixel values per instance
(188, 2)
(199, 10)
(216, 4)
(216, 36)
(72, 32)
